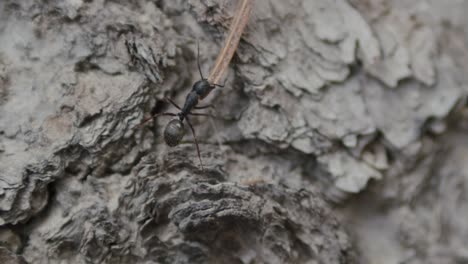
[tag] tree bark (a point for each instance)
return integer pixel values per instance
(339, 136)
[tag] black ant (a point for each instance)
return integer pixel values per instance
(174, 131)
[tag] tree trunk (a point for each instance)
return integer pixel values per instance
(339, 136)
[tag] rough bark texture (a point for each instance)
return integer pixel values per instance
(340, 137)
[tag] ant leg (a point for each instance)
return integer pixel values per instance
(219, 85)
(172, 102)
(147, 120)
(163, 114)
(203, 107)
(196, 142)
(198, 60)
(203, 114)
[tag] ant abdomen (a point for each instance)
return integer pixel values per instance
(174, 132)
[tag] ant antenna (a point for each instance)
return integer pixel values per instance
(198, 60)
(196, 141)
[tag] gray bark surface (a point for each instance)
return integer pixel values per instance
(340, 136)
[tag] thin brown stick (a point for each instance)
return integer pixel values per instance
(230, 45)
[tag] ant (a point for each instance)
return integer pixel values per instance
(174, 131)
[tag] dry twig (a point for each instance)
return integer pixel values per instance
(227, 52)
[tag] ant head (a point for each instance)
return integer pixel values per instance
(201, 84)
(174, 132)
(202, 88)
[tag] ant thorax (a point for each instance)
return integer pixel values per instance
(190, 102)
